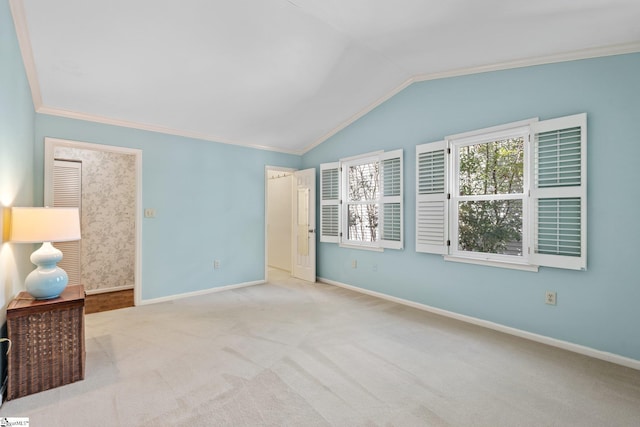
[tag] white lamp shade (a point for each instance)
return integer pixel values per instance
(33, 225)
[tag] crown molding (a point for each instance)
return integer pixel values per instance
(393, 92)
(596, 52)
(24, 42)
(153, 128)
(619, 49)
(22, 33)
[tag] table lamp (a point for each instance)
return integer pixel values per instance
(35, 225)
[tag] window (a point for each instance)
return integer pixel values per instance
(487, 202)
(361, 190)
(361, 201)
(512, 195)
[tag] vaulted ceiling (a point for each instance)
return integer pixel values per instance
(286, 74)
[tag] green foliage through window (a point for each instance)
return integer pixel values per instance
(491, 176)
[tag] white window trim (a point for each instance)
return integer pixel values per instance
(506, 129)
(395, 215)
(345, 164)
(433, 220)
(493, 263)
(455, 143)
(363, 247)
(352, 159)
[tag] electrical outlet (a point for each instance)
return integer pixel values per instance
(149, 213)
(550, 298)
(216, 264)
(354, 263)
(374, 267)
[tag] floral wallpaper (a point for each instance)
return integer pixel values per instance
(107, 217)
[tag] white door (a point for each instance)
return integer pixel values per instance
(304, 225)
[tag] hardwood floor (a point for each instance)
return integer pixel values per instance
(108, 301)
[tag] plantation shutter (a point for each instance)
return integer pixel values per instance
(330, 202)
(391, 211)
(432, 207)
(67, 192)
(558, 192)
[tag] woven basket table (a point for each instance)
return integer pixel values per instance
(47, 342)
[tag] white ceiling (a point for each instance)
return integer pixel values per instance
(286, 74)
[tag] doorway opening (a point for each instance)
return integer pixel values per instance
(110, 196)
(290, 237)
(279, 217)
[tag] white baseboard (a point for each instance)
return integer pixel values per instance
(565, 345)
(202, 292)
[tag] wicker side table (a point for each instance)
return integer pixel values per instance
(47, 338)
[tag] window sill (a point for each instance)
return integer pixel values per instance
(365, 248)
(490, 263)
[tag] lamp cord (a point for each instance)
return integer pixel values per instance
(6, 340)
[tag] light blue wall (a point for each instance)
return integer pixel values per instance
(16, 159)
(16, 153)
(599, 308)
(208, 197)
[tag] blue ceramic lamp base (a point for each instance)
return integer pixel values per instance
(48, 280)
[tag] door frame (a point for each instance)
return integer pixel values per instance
(50, 145)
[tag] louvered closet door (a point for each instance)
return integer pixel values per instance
(67, 192)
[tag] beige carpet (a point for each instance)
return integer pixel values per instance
(290, 353)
